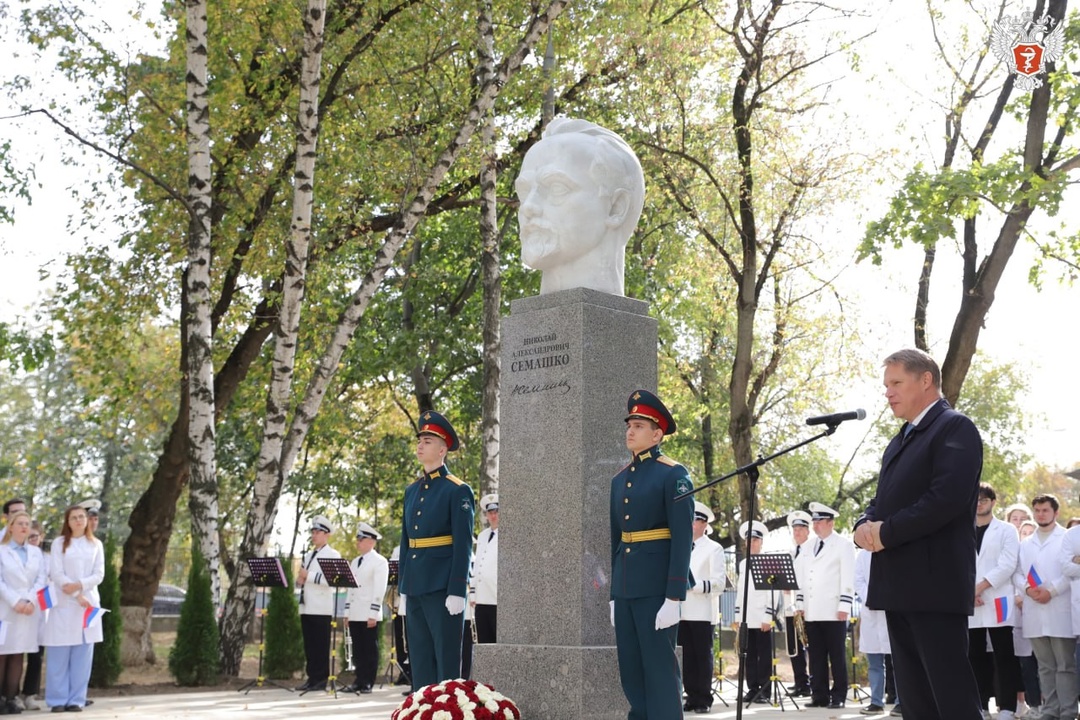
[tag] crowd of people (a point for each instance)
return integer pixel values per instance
(49, 608)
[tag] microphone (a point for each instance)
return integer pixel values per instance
(837, 418)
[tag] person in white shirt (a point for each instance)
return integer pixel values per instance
(1048, 610)
(11, 507)
(317, 599)
(825, 598)
(76, 568)
(997, 548)
(22, 574)
(799, 522)
(701, 612)
(484, 588)
(759, 616)
(364, 607)
(873, 639)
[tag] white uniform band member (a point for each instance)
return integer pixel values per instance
(799, 523)
(701, 612)
(760, 612)
(484, 588)
(364, 607)
(316, 605)
(828, 589)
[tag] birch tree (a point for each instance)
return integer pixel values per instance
(202, 493)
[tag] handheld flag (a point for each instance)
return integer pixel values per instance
(92, 616)
(1001, 608)
(1033, 577)
(44, 598)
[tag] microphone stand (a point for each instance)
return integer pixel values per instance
(752, 473)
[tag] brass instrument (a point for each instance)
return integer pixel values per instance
(800, 629)
(349, 666)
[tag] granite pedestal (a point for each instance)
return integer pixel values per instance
(569, 361)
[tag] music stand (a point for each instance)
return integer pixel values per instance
(775, 572)
(266, 573)
(338, 574)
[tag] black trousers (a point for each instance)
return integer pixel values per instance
(997, 673)
(466, 650)
(365, 652)
(797, 653)
(933, 674)
(401, 650)
(486, 619)
(828, 651)
(696, 639)
(32, 679)
(316, 632)
(758, 659)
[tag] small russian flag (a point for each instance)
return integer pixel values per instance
(1001, 606)
(92, 616)
(44, 598)
(1033, 577)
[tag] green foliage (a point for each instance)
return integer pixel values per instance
(194, 657)
(107, 655)
(283, 641)
(24, 349)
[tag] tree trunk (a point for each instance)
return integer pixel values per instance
(236, 622)
(490, 268)
(202, 492)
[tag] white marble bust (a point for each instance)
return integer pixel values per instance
(581, 191)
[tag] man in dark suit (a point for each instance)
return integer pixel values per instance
(651, 541)
(920, 527)
(436, 547)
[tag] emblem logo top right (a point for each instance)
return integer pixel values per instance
(1026, 45)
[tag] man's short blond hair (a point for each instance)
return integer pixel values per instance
(916, 362)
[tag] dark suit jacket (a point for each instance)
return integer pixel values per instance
(926, 497)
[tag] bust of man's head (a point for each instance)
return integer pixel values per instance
(581, 191)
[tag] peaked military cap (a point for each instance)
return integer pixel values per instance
(702, 512)
(432, 423)
(363, 530)
(820, 511)
(489, 502)
(798, 518)
(643, 404)
(755, 529)
(91, 506)
(319, 522)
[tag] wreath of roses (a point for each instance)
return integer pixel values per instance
(456, 700)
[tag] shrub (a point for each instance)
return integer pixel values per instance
(283, 639)
(194, 658)
(107, 663)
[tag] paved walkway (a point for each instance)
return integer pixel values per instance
(271, 703)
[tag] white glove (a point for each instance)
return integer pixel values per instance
(612, 604)
(455, 604)
(668, 614)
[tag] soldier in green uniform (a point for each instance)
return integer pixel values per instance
(651, 540)
(436, 548)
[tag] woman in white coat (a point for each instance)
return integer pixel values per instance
(873, 638)
(22, 574)
(77, 567)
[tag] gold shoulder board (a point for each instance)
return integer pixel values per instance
(454, 479)
(666, 460)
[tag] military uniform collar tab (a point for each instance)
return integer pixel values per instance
(650, 454)
(438, 472)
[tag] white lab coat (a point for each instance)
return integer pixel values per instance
(365, 601)
(873, 630)
(996, 563)
(20, 582)
(1070, 549)
(1052, 619)
(83, 562)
